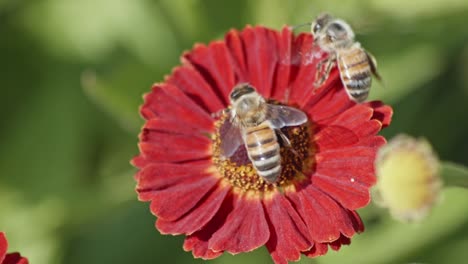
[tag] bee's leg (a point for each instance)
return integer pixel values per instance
(319, 77)
(285, 141)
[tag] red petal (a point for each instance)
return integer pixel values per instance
(368, 128)
(346, 175)
(163, 147)
(324, 217)
(199, 246)
(244, 230)
(354, 116)
(336, 245)
(173, 188)
(3, 246)
(319, 249)
(261, 55)
(382, 112)
(329, 101)
(305, 56)
(214, 64)
(192, 83)
(159, 176)
(334, 137)
(172, 103)
(281, 83)
(198, 217)
(236, 49)
(166, 125)
(373, 142)
(198, 241)
(171, 203)
(288, 233)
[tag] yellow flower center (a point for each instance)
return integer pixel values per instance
(238, 170)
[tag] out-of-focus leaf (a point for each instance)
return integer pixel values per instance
(394, 242)
(119, 92)
(425, 62)
(463, 70)
(454, 174)
(91, 29)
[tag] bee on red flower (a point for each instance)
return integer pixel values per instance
(216, 195)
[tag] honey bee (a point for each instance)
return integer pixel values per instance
(355, 64)
(256, 123)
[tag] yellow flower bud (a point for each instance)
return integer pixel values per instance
(408, 181)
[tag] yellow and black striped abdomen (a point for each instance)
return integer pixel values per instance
(355, 72)
(264, 151)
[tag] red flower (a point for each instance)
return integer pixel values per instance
(12, 258)
(223, 205)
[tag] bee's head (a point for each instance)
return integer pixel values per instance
(244, 99)
(319, 23)
(330, 33)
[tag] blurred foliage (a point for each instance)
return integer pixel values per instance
(72, 76)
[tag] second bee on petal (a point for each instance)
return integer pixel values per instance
(356, 65)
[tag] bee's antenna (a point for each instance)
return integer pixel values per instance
(301, 25)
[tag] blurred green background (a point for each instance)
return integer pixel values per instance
(72, 74)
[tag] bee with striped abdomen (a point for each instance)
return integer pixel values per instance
(355, 64)
(256, 123)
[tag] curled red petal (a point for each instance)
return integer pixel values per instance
(199, 246)
(382, 112)
(198, 217)
(242, 234)
(288, 233)
(319, 249)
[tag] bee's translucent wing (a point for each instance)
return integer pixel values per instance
(281, 116)
(373, 65)
(231, 140)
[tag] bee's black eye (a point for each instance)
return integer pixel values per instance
(337, 27)
(240, 90)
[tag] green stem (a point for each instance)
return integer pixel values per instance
(454, 175)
